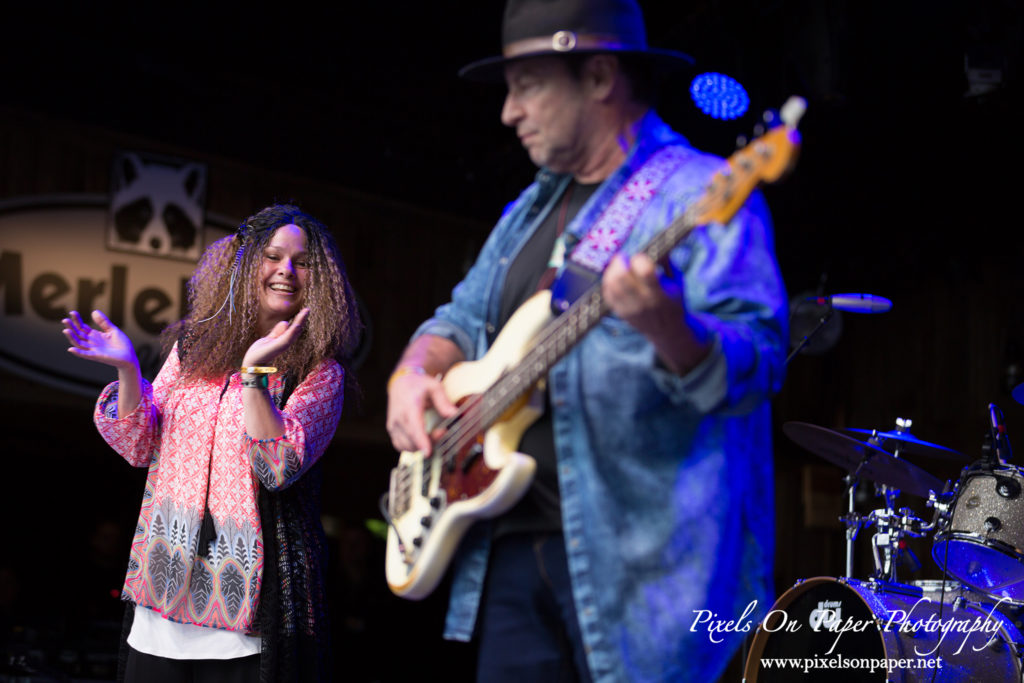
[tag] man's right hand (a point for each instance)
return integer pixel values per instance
(415, 387)
(409, 397)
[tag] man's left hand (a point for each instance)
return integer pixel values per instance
(654, 304)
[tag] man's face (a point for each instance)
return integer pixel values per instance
(548, 107)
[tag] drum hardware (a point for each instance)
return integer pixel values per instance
(864, 459)
(998, 441)
(888, 544)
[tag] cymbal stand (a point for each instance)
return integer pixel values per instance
(852, 520)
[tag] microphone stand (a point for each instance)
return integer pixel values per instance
(825, 317)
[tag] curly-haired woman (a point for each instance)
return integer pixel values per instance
(225, 573)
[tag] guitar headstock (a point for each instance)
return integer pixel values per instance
(765, 159)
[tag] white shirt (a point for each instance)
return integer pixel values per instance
(154, 635)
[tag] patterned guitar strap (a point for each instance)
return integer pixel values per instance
(595, 250)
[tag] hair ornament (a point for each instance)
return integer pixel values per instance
(243, 232)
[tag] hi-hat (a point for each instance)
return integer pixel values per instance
(908, 444)
(849, 453)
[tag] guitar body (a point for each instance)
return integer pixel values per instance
(432, 504)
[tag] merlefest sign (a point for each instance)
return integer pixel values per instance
(86, 252)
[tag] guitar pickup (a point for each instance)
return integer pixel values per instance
(475, 452)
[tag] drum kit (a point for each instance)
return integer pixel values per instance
(967, 626)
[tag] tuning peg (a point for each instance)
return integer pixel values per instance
(769, 116)
(759, 130)
(793, 110)
(741, 141)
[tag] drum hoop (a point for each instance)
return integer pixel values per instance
(968, 537)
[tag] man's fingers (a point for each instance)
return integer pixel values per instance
(642, 266)
(439, 399)
(414, 434)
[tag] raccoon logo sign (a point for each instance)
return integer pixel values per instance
(54, 257)
(157, 206)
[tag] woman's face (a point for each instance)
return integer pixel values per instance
(283, 275)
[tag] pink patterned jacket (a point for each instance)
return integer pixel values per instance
(175, 431)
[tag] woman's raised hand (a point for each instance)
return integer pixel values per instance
(108, 344)
(283, 335)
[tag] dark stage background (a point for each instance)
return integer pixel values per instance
(906, 188)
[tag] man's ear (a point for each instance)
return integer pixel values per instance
(600, 73)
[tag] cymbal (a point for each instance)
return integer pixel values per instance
(909, 444)
(848, 453)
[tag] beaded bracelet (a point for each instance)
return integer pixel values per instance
(270, 440)
(257, 370)
(403, 370)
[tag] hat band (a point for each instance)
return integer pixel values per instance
(566, 41)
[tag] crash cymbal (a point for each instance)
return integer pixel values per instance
(848, 453)
(908, 444)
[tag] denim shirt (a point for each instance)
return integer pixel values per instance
(665, 480)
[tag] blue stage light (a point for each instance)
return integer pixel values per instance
(719, 96)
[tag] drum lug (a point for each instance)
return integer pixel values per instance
(1007, 488)
(997, 643)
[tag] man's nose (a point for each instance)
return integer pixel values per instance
(511, 112)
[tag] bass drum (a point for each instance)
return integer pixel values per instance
(838, 630)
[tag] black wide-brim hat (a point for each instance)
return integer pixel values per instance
(534, 28)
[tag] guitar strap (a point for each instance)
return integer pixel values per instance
(612, 228)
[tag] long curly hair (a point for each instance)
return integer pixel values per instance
(224, 303)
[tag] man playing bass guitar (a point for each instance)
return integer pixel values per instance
(652, 495)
